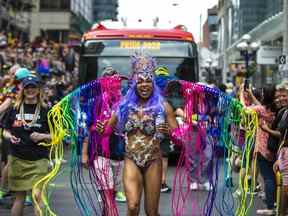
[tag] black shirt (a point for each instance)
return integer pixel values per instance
(26, 149)
(280, 123)
(116, 147)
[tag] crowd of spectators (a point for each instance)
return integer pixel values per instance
(54, 63)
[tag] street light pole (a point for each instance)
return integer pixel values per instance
(209, 78)
(247, 51)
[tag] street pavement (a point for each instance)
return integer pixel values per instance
(63, 204)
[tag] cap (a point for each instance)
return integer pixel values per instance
(30, 80)
(162, 70)
(22, 73)
(109, 71)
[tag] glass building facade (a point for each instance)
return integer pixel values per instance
(61, 20)
(273, 7)
(83, 8)
(48, 5)
(105, 10)
(14, 18)
(78, 7)
(213, 28)
(252, 13)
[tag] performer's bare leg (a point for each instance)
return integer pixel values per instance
(133, 186)
(152, 186)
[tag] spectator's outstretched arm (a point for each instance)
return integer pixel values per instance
(5, 105)
(37, 137)
(170, 116)
(252, 97)
(274, 133)
(105, 129)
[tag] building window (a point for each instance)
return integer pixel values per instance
(57, 35)
(55, 5)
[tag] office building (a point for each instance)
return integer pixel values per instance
(105, 10)
(61, 20)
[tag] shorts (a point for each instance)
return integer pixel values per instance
(103, 173)
(165, 147)
(23, 174)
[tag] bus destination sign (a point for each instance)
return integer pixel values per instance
(134, 44)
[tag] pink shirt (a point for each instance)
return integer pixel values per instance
(267, 117)
(283, 164)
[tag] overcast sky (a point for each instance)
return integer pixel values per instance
(187, 12)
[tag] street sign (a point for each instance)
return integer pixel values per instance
(266, 55)
(282, 60)
(283, 66)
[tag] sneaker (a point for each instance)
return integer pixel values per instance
(59, 161)
(237, 193)
(2, 194)
(251, 192)
(120, 196)
(99, 197)
(28, 201)
(257, 189)
(266, 211)
(194, 186)
(7, 194)
(165, 188)
(6, 203)
(261, 195)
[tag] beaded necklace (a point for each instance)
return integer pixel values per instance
(34, 119)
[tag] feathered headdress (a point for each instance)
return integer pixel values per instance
(143, 65)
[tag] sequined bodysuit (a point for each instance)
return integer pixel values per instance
(142, 140)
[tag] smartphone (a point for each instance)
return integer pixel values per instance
(246, 84)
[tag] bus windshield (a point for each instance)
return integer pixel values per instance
(180, 57)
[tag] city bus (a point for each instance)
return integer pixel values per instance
(102, 46)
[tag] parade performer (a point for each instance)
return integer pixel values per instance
(140, 118)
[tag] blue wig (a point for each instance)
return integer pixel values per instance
(141, 64)
(154, 105)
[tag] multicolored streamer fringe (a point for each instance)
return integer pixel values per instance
(219, 119)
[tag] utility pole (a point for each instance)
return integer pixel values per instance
(225, 40)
